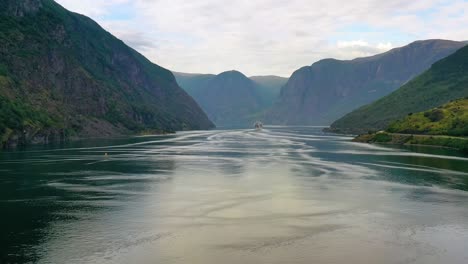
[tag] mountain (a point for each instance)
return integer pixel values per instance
(325, 91)
(231, 99)
(192, 81)
(446, 80)
(269, 87)
(62, 75)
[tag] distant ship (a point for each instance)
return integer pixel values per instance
(258, 125)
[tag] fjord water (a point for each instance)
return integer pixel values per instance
(281, 195)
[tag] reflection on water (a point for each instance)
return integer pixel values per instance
(281, 195)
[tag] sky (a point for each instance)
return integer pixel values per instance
(270, 37)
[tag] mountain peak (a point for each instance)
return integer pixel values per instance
(432, 41)
(232, 73)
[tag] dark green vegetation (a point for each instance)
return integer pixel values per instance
(61, 74)
(444, 81)
(445, 126)
(231, 99)
(450, 119)
(15, 116)
(327, 90)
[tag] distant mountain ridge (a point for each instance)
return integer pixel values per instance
(446, 80)
(270, 87)
(330, 88)
(192, 81)
(62, 75)
(231, 99)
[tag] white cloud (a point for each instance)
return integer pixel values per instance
(384, 46)
(93, 8)
(360, 48)
(364, 45)
(352, 44)
(273, 36)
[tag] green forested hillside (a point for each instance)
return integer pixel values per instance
(60, 72)
(450, 119)
(443, 126)
(446, 80)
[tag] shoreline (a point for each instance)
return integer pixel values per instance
(19, 140)
(435, 141)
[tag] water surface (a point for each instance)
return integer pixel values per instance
(281, 195)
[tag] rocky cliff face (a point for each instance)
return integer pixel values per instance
(79, 79)
(325, 91)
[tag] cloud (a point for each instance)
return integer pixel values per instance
(93, 8)
(360, 48)
(271, 36)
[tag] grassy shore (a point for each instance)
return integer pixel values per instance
(460, 143)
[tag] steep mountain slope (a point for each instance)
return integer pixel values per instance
(61, 74)
(192, 81)
(325, 91)
(230, 98)
(446, 80)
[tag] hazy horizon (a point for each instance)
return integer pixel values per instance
(270, 37)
